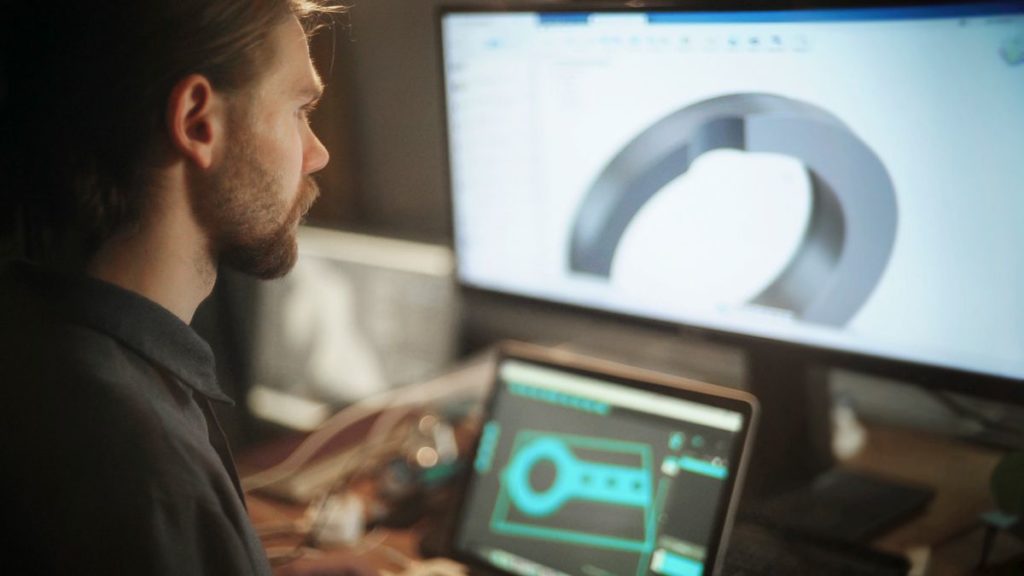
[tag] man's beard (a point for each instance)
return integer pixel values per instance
(251, 230)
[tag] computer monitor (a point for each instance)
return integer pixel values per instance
(836, 184)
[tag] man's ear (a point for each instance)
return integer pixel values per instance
(195, 119)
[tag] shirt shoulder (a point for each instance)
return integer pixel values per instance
(112, 461)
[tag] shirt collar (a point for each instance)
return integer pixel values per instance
(137, 323)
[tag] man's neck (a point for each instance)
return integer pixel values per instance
(163, 259)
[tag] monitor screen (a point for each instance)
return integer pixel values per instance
(848, 179)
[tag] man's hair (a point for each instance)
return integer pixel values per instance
(84, 89)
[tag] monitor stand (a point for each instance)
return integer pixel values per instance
(793, 480)
(793, 444)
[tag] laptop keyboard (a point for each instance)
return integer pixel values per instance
(755, 550)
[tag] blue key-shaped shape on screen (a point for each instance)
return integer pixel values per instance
(575, 479)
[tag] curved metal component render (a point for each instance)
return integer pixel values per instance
(853, 219)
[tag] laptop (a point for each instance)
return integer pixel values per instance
(589, 468)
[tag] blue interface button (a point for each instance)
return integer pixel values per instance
(669, 564)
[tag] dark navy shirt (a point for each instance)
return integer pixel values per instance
(111, 460)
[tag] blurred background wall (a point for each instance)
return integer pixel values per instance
(382, 120)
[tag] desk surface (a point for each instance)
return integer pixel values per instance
(960, 474)
(946, 538)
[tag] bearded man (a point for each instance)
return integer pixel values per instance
(144, 144)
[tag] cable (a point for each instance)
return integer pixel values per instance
(279, 555)
(390, 408)
(373, 540)
(397, 556)
(280, 528)
(439, 387)
(959, 408)
(310, 446)
(377, 443)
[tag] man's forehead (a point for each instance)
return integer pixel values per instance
(291, 61)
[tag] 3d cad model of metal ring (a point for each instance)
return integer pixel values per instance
(853, 217)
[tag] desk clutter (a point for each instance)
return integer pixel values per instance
(386, 461)
(380, 480)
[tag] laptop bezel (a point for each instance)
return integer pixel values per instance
(633, 377)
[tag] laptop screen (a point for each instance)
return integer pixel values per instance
(583, 474)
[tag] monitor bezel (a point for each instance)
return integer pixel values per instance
(929, 376)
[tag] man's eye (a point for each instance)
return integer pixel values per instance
(307, 110)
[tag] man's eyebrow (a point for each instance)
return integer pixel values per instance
(313, 91)
(311, 94)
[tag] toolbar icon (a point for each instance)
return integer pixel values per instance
(1012, 50)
